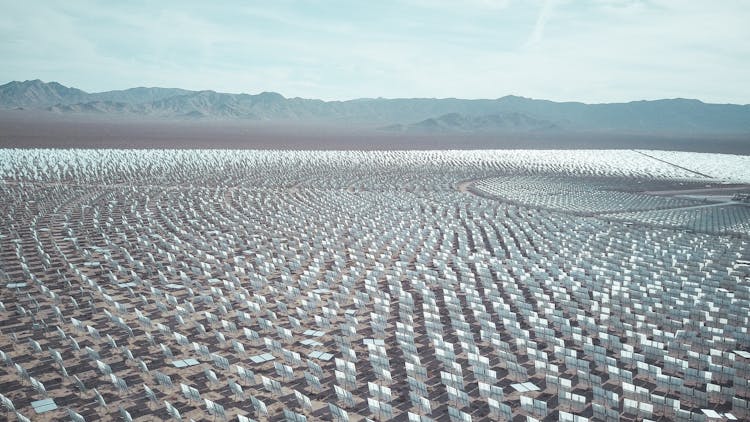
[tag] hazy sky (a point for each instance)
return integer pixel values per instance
(572, 50)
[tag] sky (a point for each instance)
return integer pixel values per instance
(591, 51)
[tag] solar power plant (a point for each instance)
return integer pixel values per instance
(573, 285)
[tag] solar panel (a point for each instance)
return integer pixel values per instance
(183, 363)
(316, 354)
(40, 406)
(265, 357)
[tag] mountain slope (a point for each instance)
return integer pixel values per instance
(37, 94)
(137, 95)
(456, 122)
(511, 113)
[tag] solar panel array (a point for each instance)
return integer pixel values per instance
(248, 285)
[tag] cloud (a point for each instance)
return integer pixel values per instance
(592, 51)
(545, 13)
(463, 4)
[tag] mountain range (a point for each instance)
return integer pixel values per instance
(511, 114)
(456, 122)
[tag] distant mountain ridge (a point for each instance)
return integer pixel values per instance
(506, 114)
(456, 122)
(38, 94)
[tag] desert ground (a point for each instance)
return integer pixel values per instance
(229, 284)
(38, 129)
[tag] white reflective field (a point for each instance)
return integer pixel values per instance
(431, 285)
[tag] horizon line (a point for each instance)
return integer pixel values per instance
(377, 98)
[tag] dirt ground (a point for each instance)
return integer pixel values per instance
(32, 129)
